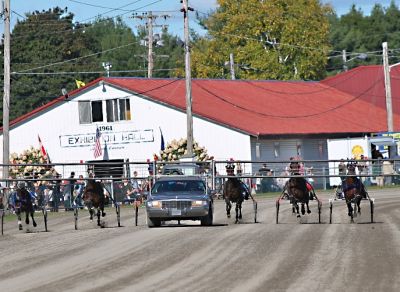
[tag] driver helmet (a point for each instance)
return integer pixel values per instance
(21, 185)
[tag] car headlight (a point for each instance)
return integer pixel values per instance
(199, 203)
(154, 204)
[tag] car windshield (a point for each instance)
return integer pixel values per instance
(173, 186)
(186, 169)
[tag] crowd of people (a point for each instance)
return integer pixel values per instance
(67, 194)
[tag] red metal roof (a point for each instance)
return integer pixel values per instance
(351, 102)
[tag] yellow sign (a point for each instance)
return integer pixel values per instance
(357, 151)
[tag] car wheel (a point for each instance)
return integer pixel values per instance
(153, 222)
(207, 220)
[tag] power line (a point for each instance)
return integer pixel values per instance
(75, 59)
(84, 22)
(90, 72)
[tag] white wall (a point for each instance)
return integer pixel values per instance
(59, 124)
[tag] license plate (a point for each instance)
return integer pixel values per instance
(176, 212)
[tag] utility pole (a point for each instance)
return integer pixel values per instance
(388, 88)
(150, 44)
(344, 58)
(232, 66)
(6, 96)
(189, 118)
(150, 17)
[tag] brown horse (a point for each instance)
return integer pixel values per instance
(93, 196)
(23, 203)
(296, 189)
(353, 193)
(353, 190)
(234, 191)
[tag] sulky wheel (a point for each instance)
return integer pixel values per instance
(2, 220)
(44, 211)
(255, 211)
(277, 211)
(118, 211)
(76, 218)
(319, 211)
(372, 210)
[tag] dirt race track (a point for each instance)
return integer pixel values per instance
(295, 255)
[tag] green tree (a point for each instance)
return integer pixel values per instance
(276, 39)
(41, 39)
(49, 51)
(358, 34)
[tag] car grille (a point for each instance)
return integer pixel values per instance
(176, 204)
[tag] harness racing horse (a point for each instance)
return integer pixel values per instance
(298, 192)
(23, 203)
(93, 197)
(353, 190)
(233, 193)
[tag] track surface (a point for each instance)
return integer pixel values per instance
(295, 255)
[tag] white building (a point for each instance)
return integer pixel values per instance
(240, 119)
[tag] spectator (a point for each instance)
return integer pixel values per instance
(78, 190)
(363, 170)
(135, 182)
(268, 183)
(264, 169)
(342, 169)
(388, 171)
(68, 192)
(128, 191)
(56, 193)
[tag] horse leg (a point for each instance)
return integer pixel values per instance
(228, 208)
(240, 210)
(350, 209)
(19, 220)
(297, 209)
(91, 212)
(103, 214)
(237, 213)
(308, 208)
(27, 217)
(98, 217)
(33, 219)
(358, 201)
(303, 210)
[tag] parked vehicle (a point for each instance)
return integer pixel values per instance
(181, 169)
(179, 198)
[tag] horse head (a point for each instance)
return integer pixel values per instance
(233, 190)
(351, 188)
(297, 189)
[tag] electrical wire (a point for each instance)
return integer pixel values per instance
(84, 22)
(91, 72)
(75, 59)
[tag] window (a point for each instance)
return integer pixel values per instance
(92, 111)
(298, 149)
(277, 149)
(258, 152)
(112, 110)
(124, 109)
(97, 111)
(85, 116)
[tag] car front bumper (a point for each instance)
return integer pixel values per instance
(192, 213)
